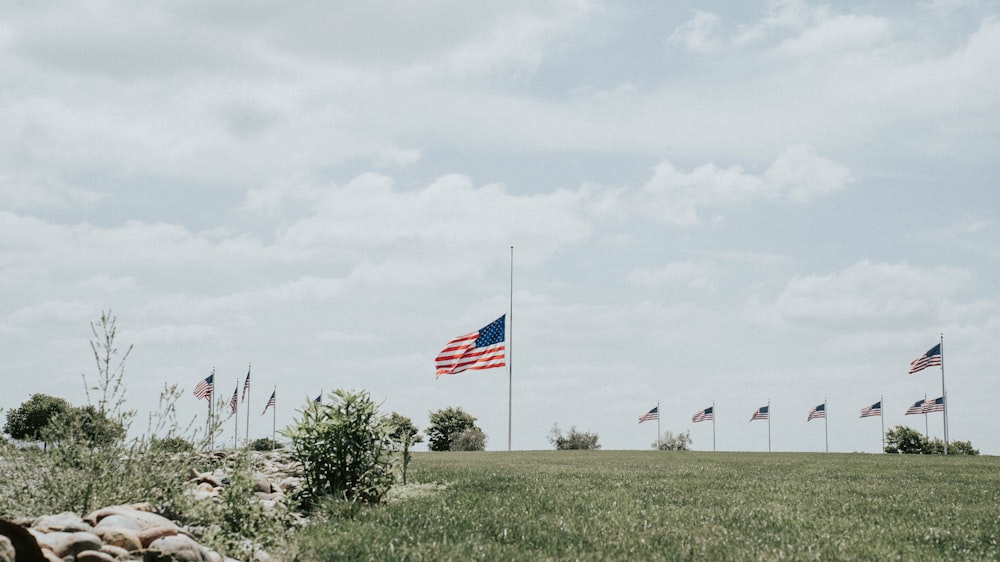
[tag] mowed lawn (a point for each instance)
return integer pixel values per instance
(622, 505)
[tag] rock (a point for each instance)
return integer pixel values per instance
(94, 556)
(117, 522)
(49, 556)
(95, 516)
(116, 552)
(141, 519)
(25, 546)
(178, 548)
(147, 536)
(7, 552)
(261, 484)
(125, 538)
(67, 544)
(65, 521)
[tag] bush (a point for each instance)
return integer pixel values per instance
(344, 447)
(572, 440)
(447, 425)
(170, 445)
(908, 441)
(31, 419)
(403, 435)
(671, 442)
(265, 444)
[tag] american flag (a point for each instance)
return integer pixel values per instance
(916, 408)
(761, 413)
(232, 401)
(936, 405)
(270, 403)
(653, 414)
(704, 415)
(873, 410)
(246, 386)
(319, 398)
(930, 359)
(482, 349)
(817, 412)
(205, 387)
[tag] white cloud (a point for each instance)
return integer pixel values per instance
(697, 34)
(693, 274)
(838, 34)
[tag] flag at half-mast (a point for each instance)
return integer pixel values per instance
(704, 415)
(653, 414)
(873, 410)
(205, 387)
(817, 412)
(930, 359)
(482, 349)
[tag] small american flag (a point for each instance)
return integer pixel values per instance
(205, 387)
(704, 415)
(936, 405)
(246, 386)
(762, 413)
(653, 414)
(233, 401)
(930, 359)
(482, 349)
(817, 412)
(916, 408)
(873, 410)
(270, 403)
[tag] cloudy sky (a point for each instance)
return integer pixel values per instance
(728, 203)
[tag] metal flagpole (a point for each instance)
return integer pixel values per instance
(211, 410)
(826, 423)
(927, 433)
(768, 425)
(713, 425)
(510, 361)
(881, 416)
(274, 414)
(246, 398)
(657, 425)
(944, 397)
(236, 416)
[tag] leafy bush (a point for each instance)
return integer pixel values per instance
(908, 441)
(170, 445)
(32, 418)
(671, 442)
(403, 435)
(573, 440)
(345, 449)
(265, 444)
(450, 424)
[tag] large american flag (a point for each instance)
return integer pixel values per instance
(916, 408)
(930, 359)
(653, 414)
(817, 412)
(704, 415)
(205, 387)
(936, 405)
(762, 413)
(482, 349)
(873, 410)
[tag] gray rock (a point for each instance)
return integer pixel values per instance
(178, 548)
(65, 521)
(65, 544)
(7, 553)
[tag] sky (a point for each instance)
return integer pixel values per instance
(780, 202)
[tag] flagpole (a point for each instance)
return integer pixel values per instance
(246, 398)
(881, 415)
(274, 413)
(769, 425)
(713, 425)
(236, 416)
(826, 423)
(657, 425)
(944, 397)
(211, 410)
(927, 432)
(510, 361)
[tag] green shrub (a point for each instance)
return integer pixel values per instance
(345, 449)
(453, 429)
(573, 440)
(265, 444)
(170, 445)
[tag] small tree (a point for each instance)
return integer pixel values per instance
(404, 434)
(472, 439)
(447, 424)
(671, 442)
(573, 440)
(30, 420)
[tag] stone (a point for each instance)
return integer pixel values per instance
(148, 535)
(65, 521)
(178, 548)
(7, 552)
(116, 552)
(261, 484)
(95, 516)
(121, 537)
(22, 541)
(94, 556)
(67, 544)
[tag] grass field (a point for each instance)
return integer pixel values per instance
(619, 505)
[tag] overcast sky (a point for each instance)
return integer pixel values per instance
(728, 203)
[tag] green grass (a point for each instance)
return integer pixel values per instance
(618, 505)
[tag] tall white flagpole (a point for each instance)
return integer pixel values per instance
(246, 398)
(769, 425)
(658, 414)
(826, 423)
(510, 360)
(236, 416)
(274, 414)
(713, 424)
(944, 397)
(881, 415)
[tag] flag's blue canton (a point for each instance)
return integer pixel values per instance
(764, 409)
(710, 410)
(491, 334)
